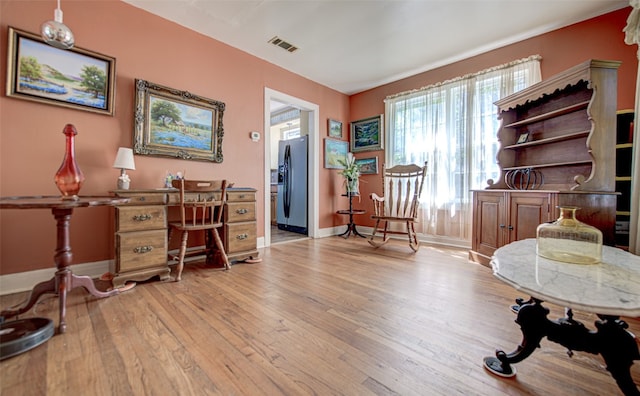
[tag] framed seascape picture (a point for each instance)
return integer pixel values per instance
(367, 134)
(368, 166)
(76, 78)
(178, 124)
(335, 128)
(335, 150)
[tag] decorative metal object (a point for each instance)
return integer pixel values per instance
(524, 179)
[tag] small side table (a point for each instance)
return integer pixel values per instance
(351, 227)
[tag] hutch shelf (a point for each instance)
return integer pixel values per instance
(563, 130)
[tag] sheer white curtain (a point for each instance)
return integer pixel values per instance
(452, 125)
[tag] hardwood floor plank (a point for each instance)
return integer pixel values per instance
(316, 317)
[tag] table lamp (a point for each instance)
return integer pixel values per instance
(124, 161)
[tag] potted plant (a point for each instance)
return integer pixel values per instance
(351, 173)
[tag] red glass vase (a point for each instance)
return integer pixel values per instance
(69, 177)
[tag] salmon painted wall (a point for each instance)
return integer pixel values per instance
(159, 51)
(598, 38)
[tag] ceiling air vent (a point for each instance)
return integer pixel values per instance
(277, 41)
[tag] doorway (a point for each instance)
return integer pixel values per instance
(307, 121)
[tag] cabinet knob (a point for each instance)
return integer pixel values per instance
(242, 236)
(143, 249)
(510, 227)
(241, 211)
(501, 225)
(143, 217)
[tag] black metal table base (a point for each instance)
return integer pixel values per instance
(351, 228)
(617, 346)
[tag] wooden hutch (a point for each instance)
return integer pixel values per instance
(563, 132)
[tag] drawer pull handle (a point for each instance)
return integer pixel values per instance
(143, 249)
(242, 211)
(143, 217)
(242, 236)
(142, 199)
(241, 196)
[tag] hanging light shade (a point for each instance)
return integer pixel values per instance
(56, 33)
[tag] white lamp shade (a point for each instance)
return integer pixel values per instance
(124, 159)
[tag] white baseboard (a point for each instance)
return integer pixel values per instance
(24, 281)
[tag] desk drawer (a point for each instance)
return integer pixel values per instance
(240, 237)
(143, 249)
(241, 196)
(134, 218)
(143, 199)
(239, 211)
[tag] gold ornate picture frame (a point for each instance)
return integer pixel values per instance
(177, 124)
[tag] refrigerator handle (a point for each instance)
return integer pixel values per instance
(287, 181)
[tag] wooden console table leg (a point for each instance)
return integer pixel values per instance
(65, 279)
(46, 287)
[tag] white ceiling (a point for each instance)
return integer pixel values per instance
(354, 45)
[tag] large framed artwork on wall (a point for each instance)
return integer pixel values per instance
(177, 124)
(75, 78)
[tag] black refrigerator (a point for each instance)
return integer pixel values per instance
(292, 185)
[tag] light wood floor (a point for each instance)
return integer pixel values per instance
(317, 317)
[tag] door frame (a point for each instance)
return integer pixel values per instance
(313, 175)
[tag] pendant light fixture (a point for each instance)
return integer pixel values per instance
(56, 33)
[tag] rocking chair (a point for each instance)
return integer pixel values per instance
(402, 186)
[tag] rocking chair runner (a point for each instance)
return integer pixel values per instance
(402, 187)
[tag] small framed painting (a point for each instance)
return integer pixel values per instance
(334, 152)
(334, 128)
(367, 134)
(368, 166)
(523, 138)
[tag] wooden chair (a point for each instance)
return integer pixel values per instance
(402, 187)
(201, 206)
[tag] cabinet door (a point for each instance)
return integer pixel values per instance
(489, 222)
(526, 212)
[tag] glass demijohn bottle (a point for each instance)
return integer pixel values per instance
(569, 240)
(69, 177)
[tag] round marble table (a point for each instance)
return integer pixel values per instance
(610, 289)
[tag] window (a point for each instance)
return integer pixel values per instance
(452, 125)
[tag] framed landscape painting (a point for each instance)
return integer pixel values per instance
(367, 134)
(75, 78)
(335, 150)
(368, 166)
(177, 124)
(335, 128)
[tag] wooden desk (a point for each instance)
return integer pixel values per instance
(141, 231)
(610, 289)
(64, 280)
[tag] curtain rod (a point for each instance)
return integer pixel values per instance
(466, 76)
